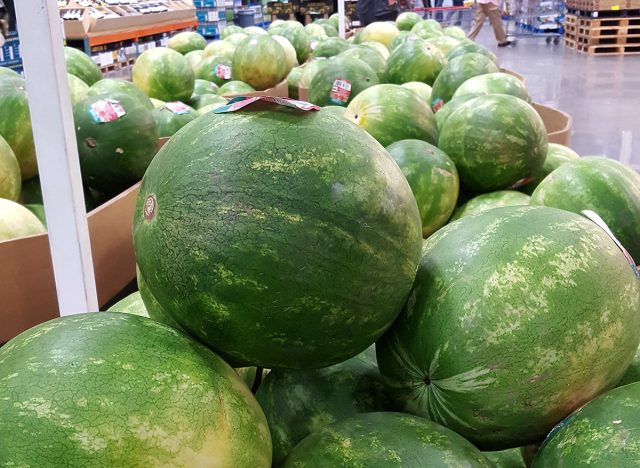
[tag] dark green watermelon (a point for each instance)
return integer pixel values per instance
(186, 42)
(164, 74)
(493, 83)
(116, 85)
(299, 40)
(171, 117)
(330, 83)
(15, 124)
(633, 371)
(489, 201)
(449, 108)
(82, 66)
(10, 177)
(151, 305)
(330, 47)
(235, 87)
(292, 81)
(470, 47)
(132, 304)
(415, 60)
(407, 20)
(510, 458)
(215, 69)
(260, 61)
(557, 155)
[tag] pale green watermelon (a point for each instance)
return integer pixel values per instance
(132, 304)
(17, 221)
(489, 201)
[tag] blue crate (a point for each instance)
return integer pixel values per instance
(202, 16)
(10, 52)
(208, 29)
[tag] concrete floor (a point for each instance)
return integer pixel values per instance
(601, 93)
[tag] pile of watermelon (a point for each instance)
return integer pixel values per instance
(409, 274)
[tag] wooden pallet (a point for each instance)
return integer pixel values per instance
(623, 39)
(608, 49)
(604, 14)
(599, 5)
(570, 28)
(602, 23)
(608, 31)
(571, 20)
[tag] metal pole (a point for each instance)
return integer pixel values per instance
(341, 19)
(41, 41)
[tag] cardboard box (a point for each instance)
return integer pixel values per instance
(303, 93)
(557, 123)
(27, 284)
(77, 29)
(280, 90)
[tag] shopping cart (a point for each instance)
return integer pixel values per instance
(534, 18)
(449, 16)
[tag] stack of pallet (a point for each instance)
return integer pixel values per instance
(603, 27)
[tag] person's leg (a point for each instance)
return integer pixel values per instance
(495, 18)
(478, 21)
(438, 4)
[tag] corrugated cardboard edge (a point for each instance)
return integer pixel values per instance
(557, 123)
(512, 73)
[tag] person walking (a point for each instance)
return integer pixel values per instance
(370, 11)
(456, 13)
(490, 9)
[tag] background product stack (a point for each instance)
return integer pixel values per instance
(212, 17)
(603, 27)
(10, 53)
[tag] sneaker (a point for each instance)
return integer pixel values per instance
(504, 44)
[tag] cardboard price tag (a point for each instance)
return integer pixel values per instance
(240, 102)
(106, 110)
(340, 91)
(223, 72)
(177, 107)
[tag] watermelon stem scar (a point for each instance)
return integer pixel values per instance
(149, 209)
(91, 142)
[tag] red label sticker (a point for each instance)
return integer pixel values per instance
(106, 110)
(522, 183)
(438, 105)
(239, 102)
(223, 72)
(340, 91)
(178, 108)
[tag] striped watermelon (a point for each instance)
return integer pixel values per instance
(489, 201)
(10, 178)
(517, 317)
(17, 221)
(132, 304)
(415, 60)
(557, 155)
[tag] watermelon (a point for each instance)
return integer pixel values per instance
(114, 150)
(38, 210)
(470, 47)
(116, 85)
(511, 157)
(171, 117)
(341, 112)
(330, 82)
(151, 305)
(456, 72)
(380, 32)
(236, 38)
(401, 38)
(603, 434)
(433, 179)
(369, 56)
(289, 50)
(377, 46)
(510, 458)
(603, 185)
(80, 64)
(10, 177)
(236, 87)
(77, 88)
(415, 60)
(17, 221)
(392, 113)
(423, 90)
(327, 25)
(407, 20)
(315, 30)
(515, 320)
(309, 71)
(449, 108)
(171, 401)
(292, 81)
(300, 402)
(633, 371)
(443, 43)
(276, 25)
(31, 192)
(202, 87)
(494, 83)
(293, 24)
(230, 29)
(330, 47)
(455, 32)
(223, 49)
(164, 74)
(207, 100)
(4, 71)
(156, 102)
(186, 42)
(211, 107)
(261, 62)
(557, 155)
(251, 310)
(194, 58)
(335, 20)
(426, 29)
(299, 40)
(254, 31)
(132, 304)
(489, 201)
(217, 70)
(384, 440)
(15, 124)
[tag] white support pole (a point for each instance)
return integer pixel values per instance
(41, 42)
(341, 19)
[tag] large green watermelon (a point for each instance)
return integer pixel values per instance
(314, 30)
(377, 47)
(445, 111)
(385, 440)
(455, 32)
(293, 78)
(4, 71)
(401, 38)
(117, 139)
(186, 42)
(300, 209)
(328, 27)
(215, 69)
(496, 141)
(254, 31)
(426, 29)
(470, 47)
(310, 70)
(164, 74)
(407, 20)
(289, 51)
(230, 29)
(339, 80)
(202, 88)
(603, 185)
(15, 124)
(194, 58)
(433, 179)
(444, 44)
(236, 38)
(77, 88)
(518, 316)
(17, 221)
(223, 49)
(132, 304)
(423, 90)
(633, 371)
(116, 85)
(489, 201)
(371, 57)
(153, 308)
(206, 100)
(299, 40)
(261, 62)
(380, 32)
(110, 389)
(276, 26)
(415, 60)
(603, 434)
(38, 210)
(330, 47)
(31, 192)
(493, 83)
(392, 113)
(235, 87)
(510, 458)
(10, 177)
(81, 65)
(557, 155)
(456, 72)
(300, 402)
(171, 117)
